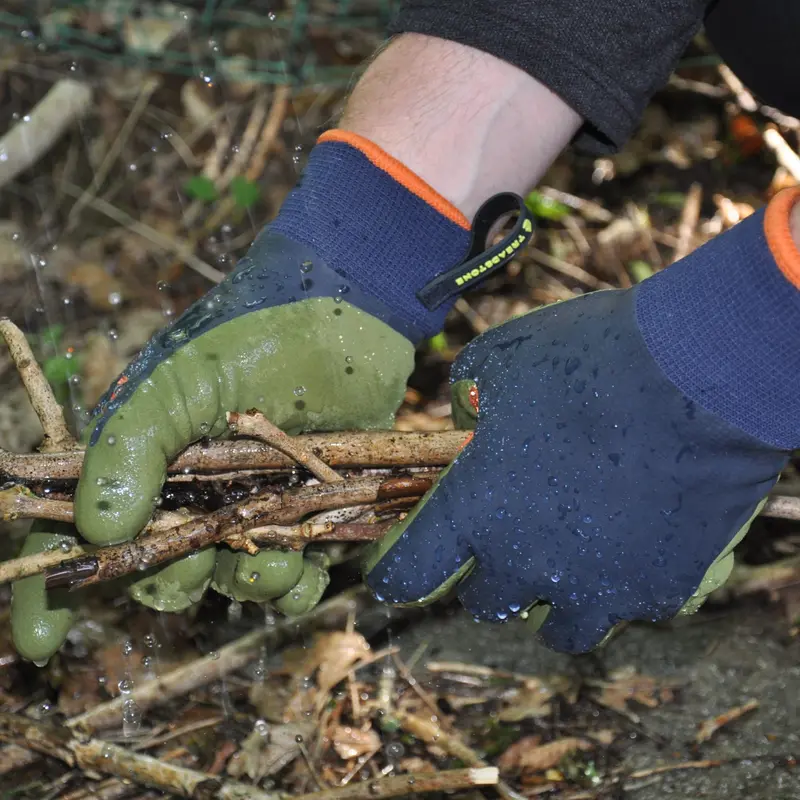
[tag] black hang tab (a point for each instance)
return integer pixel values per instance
(480, 261)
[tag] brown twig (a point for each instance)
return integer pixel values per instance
(690, 216)
(398, 785)
(254, 424)
(111, 759)
(704, 764)
(23, 567)
(743, 97)
(100, 756)
(19, 502)
(347, 449)
(17, 568)
(56, 434)
(182, 250)
(570, 270)
(786, 156)
(65, 103)
(747, 579)
(430, 732)
(109, 563)
(782, 507)
(266, 142)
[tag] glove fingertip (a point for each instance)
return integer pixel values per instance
(306, 593)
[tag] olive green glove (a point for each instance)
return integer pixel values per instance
(306, 358)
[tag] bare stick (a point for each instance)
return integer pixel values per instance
(346, 449)
(747, 579)
(743, 97)
(17, 568)
(432, 733)
(253, 423)
(66, 102)
(690, 216)
(570, 270)
(149, 86)
(786, 156)
(170, 244)
(705, 764)
(18, 502)
(587, 208)
(400, 785)
(290, 537)
(56, 434)
(330, 615)
(23, 567)
(782, 507)
(113, 562)
(111, 759)
(266, 142)
(104, 757)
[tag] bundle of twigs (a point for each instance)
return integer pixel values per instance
(376, 475)
(370, 477)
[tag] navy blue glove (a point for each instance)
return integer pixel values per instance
(594, 490)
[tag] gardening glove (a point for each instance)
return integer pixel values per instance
(623, 443)
(316, 327)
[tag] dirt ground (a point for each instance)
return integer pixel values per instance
(720, 659)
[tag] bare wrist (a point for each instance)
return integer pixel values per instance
(467, 123)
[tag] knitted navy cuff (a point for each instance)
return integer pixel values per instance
(724, 325)
(376, 224)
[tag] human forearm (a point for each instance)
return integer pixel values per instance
(481, 127)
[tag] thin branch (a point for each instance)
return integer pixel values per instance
(254, 424)
(17, 568)
(66, 102)
(177, 247)
(110, 759)
(782, 507)
(690, 216)
(747, 579)
(786, 156)
(149, 86)
(743, 97)
(346, 449)
(113, 562)
(399, 785)
(41, 508)
(51, 416)
(432, 733)
(19, 502)
(570, 270)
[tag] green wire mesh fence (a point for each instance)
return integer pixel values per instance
(288, 41)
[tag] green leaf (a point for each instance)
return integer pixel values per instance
(545, 207)
(438, 343)
(245, 193)
(52, 334)
(202, 188)
(669, 199)
(639, 271)
(59, 369)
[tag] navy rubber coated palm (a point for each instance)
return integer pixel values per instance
(591, 484)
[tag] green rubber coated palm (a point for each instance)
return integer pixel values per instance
(40, 619)
(316, 364)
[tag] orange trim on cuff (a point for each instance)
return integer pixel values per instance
(778, 231)
(402, 174)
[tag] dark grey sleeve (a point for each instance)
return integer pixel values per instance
(604, 58)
